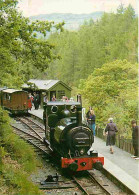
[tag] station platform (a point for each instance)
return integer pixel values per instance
(120, 164)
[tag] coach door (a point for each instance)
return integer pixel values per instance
(20, 100)
(16, 102)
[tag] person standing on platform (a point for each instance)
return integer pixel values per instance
(53, 98)
(87, 115)
(45, 99)
(91, 121)
(36, 101)
(30, 100)
(135, 139)
(110, 131)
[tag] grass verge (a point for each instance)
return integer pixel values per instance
(17, 161)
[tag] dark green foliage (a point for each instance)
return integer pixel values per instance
(112, 37)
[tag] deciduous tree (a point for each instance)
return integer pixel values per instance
(112, 91)
(22, 51)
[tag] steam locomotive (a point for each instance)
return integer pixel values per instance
(69, 137)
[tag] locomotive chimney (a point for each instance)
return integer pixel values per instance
(79, 98)
(79, 110)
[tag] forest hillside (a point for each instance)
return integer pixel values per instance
(100, 62)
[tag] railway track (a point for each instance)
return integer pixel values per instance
(94, 179)
(89, 185)
(31, 132)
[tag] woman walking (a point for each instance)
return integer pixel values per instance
(111, 130)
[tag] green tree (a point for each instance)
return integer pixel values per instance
(112, 91)
(67, 48)
(22, 52)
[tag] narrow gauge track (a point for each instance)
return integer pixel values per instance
(32, 132)
(97, 182)
(89, 185)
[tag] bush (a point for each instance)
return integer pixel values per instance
(17, 160)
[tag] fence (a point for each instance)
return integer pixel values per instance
(121, 142)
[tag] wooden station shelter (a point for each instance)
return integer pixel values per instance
(48, 88)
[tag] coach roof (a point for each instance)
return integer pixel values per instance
(12, 90)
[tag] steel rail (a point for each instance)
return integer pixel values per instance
(41, 140)
(30, 141)
(101, 186)
(34, 123)
(37, 147)
(80, 186)
(30, 127)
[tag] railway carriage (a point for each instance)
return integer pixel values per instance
(15, 101)
(69, 137)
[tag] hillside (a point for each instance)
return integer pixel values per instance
(72, 21)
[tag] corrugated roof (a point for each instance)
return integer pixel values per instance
(44, 84)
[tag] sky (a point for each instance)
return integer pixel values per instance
(36, 7)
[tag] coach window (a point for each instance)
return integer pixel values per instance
(54, 109)
(73, 109)
(9, 97)
(4, 96)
